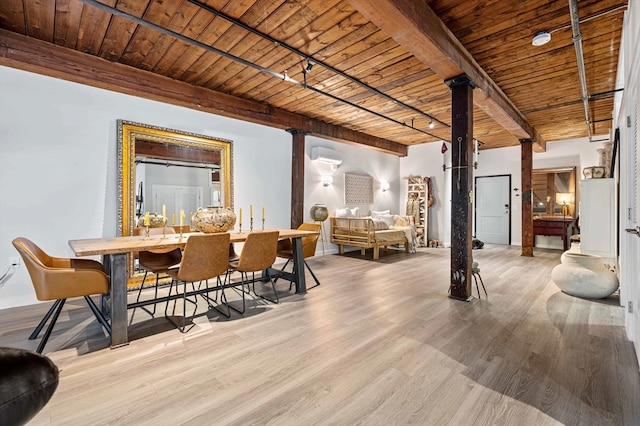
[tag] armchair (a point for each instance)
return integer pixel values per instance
(285, 248)
(58, 279)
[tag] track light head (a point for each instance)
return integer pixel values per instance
(431, 123)
(309, 66)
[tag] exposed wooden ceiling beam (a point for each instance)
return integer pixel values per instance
(33, 55)
(416, 27)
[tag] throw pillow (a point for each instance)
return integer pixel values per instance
(386, 218)
(347, 212)
(375, 213)
(379, 224)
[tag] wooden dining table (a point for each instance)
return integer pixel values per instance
(114, 253)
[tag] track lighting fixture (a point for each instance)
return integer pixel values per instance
(309, 66)
(431, 124)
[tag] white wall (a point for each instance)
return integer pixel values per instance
(58, 166)
(426, 160)
(380, 166)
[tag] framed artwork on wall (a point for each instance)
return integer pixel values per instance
(358, 189)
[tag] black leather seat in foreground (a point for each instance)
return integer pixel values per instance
(27, 382)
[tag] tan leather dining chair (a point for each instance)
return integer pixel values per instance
(205, 256)
(258, 253)
(157, 262)
(285, 248)
(58, 279)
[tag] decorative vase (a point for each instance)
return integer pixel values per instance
(319, 212)
(155, 220)
(584, 275)
(595, 172)
(213, 219)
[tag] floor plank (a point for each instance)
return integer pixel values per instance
(379, 342)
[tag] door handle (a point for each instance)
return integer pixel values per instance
(506, 208)
(635, 231)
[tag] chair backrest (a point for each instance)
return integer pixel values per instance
(259, 251)
(205, 256)
(59, 278)
(309, 243)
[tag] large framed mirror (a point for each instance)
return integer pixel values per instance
(165, 169)
(554, 192)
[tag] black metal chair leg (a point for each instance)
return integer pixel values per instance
(38, 329)
(273, 285)
(223, 298)
(96, 312)
(47, 333)
(477, 289)
(481, 282)
(243, 277)
(182, 327)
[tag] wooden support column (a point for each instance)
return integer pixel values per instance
(461, 185)
(526, 166)
(297, 177)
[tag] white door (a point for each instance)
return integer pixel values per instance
(493, 209)
(630, 216)
(176, 198)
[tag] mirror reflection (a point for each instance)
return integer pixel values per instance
(554, 192)
(169, 170)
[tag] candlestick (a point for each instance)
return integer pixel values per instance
(164, 221)
(263, 223)
(146, 232)
(251, 224)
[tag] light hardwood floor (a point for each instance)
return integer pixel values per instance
(378, 343)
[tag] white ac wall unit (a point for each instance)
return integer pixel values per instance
(326, 155)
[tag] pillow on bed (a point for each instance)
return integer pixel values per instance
(375, 213)
(379, 224)
(386, 218)
(347, 212)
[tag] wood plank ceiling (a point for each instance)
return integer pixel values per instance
(369, 83)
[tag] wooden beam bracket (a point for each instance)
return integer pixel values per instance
(460, 80)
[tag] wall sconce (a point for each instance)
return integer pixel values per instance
(326, 180)
(384, 186)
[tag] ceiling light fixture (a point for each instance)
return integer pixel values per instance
(309, 66)
(431, 125)
(543, 37)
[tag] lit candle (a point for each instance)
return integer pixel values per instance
(263, 213)
(251, 211)
(240, 221)
(147, 219)
(173, 218)
(181, 218)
